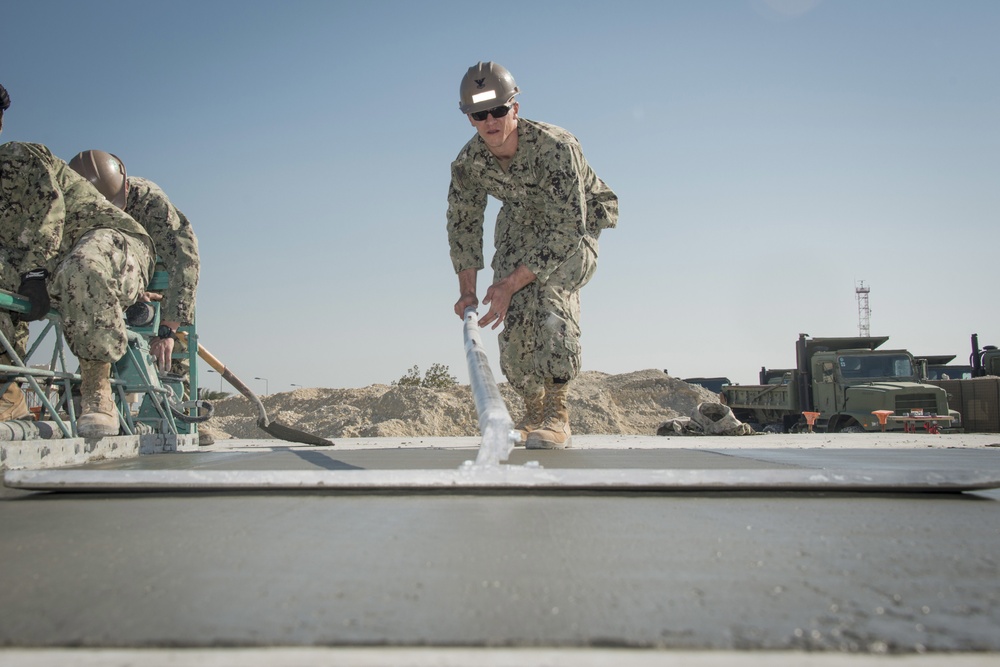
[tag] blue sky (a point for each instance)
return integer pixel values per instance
(768, 155)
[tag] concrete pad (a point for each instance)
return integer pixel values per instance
(595, 470)
(811, 578)
(465, 657)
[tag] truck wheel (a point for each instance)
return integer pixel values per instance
(853, 428)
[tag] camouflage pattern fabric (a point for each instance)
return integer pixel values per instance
(541, 334)
(552, 196)
(102, 275)
(45, 207)
(176, 246)
(181, 367)
(14, 329)
(48, 218)
(554, 209)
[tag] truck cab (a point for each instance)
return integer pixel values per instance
(849, 385)
(939, 367)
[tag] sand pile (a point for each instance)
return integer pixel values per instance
(630, 403)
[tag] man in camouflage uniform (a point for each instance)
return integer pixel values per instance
(176, 245)
(554, 208)
(12, 402)
(177, 254)
(62, 240)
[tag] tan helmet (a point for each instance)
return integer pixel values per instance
(105, 171)
(484, 86)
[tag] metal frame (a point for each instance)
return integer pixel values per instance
(134, 373)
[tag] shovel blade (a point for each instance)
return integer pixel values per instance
(282, 432)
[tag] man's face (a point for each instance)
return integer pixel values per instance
(497, 131)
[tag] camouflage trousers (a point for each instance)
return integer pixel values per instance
(541, 334)
(13, 329)
(104, 273)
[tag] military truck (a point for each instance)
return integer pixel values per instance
(844, 380)
(982, 362)
(975, 393)
(939, 367)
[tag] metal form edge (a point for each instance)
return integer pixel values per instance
(500, 478)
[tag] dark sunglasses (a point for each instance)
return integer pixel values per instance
(496, 112)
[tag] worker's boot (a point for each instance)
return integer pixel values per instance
(98, 415)
(534, 415)
(554, 432)
(13, 405)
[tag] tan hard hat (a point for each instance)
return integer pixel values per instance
(105, 171)
(484, 86)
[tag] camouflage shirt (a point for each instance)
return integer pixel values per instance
(551, 197)
(176, 246)
(45, 207)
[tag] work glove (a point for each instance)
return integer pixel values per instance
(34, 289)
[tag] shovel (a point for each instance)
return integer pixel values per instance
(279, 431)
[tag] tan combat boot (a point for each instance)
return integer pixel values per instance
(12, 404)
(98, 416)
(534, 415)
(554, 432)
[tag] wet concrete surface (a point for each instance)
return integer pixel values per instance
(844, 572)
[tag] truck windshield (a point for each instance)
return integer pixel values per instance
(875, 366)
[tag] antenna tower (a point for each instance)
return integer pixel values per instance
(864, 313)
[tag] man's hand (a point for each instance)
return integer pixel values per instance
(498, 296)
(467, 288)
(500, 293)
(34, 289)
(162, 349)
(466, 301)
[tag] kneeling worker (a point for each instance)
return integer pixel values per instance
(176, 244)
(65, 243)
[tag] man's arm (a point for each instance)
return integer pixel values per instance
(176, 247)
(467, 291)
(34, 204)
(466, 208)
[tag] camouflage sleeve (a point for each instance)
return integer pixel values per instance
(179, 298)
(34, 210)
(563, 224)
(466, 208)
(602, 209)
(176, 248)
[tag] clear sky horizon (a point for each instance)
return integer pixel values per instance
(768, 156)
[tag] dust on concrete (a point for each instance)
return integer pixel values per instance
(628, 404)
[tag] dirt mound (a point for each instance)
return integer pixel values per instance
(630, 403)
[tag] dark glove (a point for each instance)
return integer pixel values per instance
(33, 288)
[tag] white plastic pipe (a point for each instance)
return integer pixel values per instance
(495, 424)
